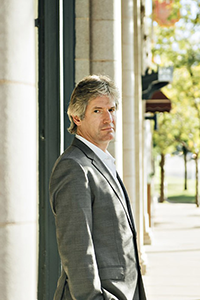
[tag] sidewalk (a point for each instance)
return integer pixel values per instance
(173, 270)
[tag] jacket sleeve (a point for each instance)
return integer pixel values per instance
(71, 200)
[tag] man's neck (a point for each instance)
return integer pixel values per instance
(103, 146)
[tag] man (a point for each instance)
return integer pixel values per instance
(94, 225)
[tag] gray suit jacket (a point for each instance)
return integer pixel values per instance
(95, 230)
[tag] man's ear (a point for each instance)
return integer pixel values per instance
(76, 120)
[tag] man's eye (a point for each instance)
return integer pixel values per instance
(112, 109)
(96, 111)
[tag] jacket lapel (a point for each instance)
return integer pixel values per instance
(99, 165)
(127, 203)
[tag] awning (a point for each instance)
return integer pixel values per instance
(158, 103)
(154, 81)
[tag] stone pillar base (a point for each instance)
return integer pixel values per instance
(143, 261)
(148, 235)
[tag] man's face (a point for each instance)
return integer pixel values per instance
(98, 125)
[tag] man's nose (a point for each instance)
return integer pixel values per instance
(108, 117)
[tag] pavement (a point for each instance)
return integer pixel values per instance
(173, 259)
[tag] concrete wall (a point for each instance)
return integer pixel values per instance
(82, 35)
(17, 151)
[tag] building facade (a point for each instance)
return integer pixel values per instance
(46, 47)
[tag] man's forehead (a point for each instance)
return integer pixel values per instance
(102, 101)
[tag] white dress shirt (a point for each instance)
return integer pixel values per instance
(105, 157)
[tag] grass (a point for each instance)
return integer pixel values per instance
(174, 190)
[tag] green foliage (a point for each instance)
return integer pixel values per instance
(163, 139)
(180, 46)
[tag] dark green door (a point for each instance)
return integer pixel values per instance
(50, 64)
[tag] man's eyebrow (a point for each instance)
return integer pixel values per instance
(97, 107)
(100, 107)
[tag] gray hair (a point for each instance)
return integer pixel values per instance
(86, 90)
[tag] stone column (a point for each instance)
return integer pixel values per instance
(138, 117)
(18, 197)
(82, 49)
(128, 99)
(146, 135)
(105, 55)
(147, 148)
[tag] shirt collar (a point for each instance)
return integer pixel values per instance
(105, 157)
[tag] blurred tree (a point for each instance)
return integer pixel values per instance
(179, 45)
(164, 143)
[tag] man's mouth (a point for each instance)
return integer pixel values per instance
(108, 128)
